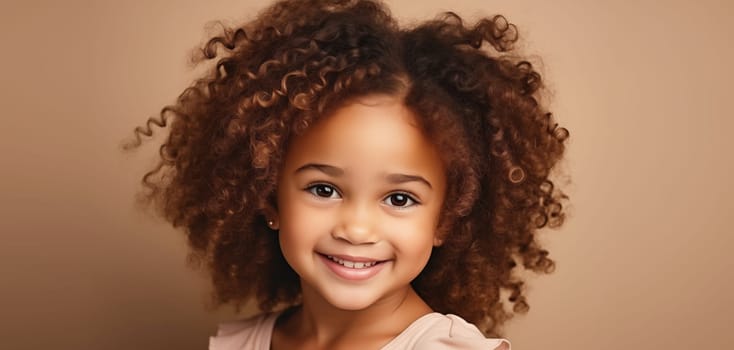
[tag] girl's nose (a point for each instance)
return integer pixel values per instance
(355, 224)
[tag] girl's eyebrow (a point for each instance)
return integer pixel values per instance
(401, 178)
(324, 168)
(336, 172)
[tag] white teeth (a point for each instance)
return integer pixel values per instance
(352, 264)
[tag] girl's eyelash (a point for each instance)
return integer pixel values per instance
(314, 187)
(409, 198)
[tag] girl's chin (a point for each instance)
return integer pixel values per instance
(350, 303)
(360, 298)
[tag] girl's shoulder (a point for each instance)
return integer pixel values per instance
(436, 331)
(251, 333)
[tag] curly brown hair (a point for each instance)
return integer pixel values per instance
(299, 60)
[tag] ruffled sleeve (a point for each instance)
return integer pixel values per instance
(253, 333)
(436, 331)
(464, 335)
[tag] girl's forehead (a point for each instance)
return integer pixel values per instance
(373, 130)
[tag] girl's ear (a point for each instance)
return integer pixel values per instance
(272, 218)
(439, 235)
(274, 225)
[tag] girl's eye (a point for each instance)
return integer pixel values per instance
(323, 191)
(400, 200)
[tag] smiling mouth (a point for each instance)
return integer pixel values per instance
(353, 264)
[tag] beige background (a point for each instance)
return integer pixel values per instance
(644, 87)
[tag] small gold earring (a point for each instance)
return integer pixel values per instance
(270, 223)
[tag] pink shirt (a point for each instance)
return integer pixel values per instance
(433, 331)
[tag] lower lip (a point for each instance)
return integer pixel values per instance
(351, 274)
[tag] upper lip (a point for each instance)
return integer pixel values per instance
(352, 258)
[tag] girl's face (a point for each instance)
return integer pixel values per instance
(359, 198)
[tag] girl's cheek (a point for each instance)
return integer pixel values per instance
(310, 214)
(407, 229)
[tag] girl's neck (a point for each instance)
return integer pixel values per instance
(321, 325)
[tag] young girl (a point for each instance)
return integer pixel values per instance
(369, 186)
